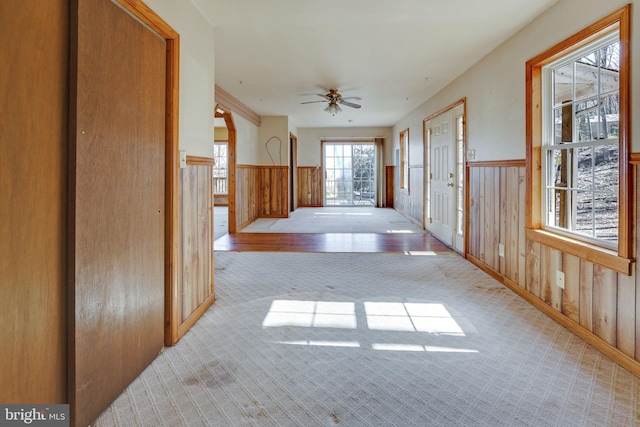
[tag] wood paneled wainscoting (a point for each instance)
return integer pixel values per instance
(310, 186)
(496, 216)
(195, 291)
(273, 184)
(411, 199)
(597, 304)
(261, 192)
(246, 195)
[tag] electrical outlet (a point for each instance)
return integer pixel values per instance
(471, 154)
(560, 279)
(500, 249)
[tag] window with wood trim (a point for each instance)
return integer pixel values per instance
(578, 174)
(404, 160)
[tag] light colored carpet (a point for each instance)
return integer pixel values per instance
(220, 221)
(336, 220)
(300, 339)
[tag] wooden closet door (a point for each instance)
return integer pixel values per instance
(34, 137)
(116, 210)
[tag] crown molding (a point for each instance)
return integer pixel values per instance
(229, 102)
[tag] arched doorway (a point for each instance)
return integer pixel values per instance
(224, 113)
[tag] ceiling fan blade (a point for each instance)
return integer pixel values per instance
(348, 104)
(357, 98)
(311, 102)
(324, 96)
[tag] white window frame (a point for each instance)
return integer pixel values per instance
(548, 134)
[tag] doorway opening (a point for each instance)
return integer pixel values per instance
(225, 175)
(349, 173)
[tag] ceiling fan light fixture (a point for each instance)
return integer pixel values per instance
(333, 108)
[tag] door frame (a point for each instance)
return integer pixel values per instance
(293, 174)
(147, 16)
(221, 111)
(426, 206)
(356, 141)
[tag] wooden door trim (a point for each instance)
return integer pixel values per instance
(293, 197)
(141, 11)
(221, 111)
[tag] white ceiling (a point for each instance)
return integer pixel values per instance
(273, 55)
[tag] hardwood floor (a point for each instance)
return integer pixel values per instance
(329, 242)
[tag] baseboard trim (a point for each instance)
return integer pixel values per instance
(601, 345)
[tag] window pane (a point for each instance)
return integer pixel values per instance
(586, 77)
(330, 163)
(329, 150)
(584, 160)
(606, 217)
(558, 214)
(609, 116)
(606, 168)
(563, 84)
(610, 68)
(555, 161)
(563, 123)
(584, 223)
(587, 120)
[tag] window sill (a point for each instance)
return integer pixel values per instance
(605, 257)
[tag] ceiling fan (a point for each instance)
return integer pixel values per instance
(334, 98)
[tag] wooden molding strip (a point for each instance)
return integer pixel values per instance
(518, 163)
(445, 109)
(601, 345)
(197, 313)
(149, 17)
(269, 167)
(200, 161)
(604, 257)
(229, 102)
(634, 158)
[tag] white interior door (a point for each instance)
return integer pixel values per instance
(442, 177)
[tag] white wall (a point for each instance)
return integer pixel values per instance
(246, 141)
(275, 130)
(495, 86)
(221, 134)
(197, 73)
(309, 141)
